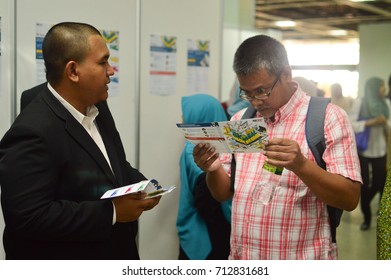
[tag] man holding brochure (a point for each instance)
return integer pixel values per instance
(62, 153)
(282, 216)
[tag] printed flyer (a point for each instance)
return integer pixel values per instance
(242, 136)
(151, 187)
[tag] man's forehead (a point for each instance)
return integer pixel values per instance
(98, 46)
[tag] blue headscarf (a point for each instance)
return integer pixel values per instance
(238, 103)
(374, 105)
(192, 230)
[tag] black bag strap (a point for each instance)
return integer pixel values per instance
(314, 129)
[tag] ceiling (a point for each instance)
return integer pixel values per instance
(320, 20)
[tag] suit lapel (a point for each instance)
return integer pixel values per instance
(79, 134)
(112, 153)
(106, 128)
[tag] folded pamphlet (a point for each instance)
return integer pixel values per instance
(151, 187)
(242, 136)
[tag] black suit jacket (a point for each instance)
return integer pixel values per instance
(28, 95)
(52, 175)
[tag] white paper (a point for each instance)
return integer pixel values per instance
(151, 187)
(242, 136)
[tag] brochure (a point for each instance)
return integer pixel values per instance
(242, 136)
(151, 187)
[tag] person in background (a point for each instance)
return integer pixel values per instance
(62, 153)
(28, 95)
(372, 111)
(320, 92)
(282, 216)
(338, 98)
(237, 103)
(309, 87)
(389, 88)
(203, 224)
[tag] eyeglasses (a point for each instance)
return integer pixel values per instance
(260, 93)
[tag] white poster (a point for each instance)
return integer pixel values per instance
(41, 30)
(162, 73)
(112, 41)
(198, 58)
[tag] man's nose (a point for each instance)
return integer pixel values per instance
(256, 102)
(110, 69)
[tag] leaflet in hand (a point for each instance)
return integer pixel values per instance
(242, 136)
(151, 187)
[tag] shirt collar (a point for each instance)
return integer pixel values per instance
(92, 111)
(287, 108)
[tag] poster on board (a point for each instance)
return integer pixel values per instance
(198, 66)
(162, 72)
(112, 41)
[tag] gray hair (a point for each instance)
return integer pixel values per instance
(260, 52)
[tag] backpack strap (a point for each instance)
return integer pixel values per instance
(314, 129)
(248, 114)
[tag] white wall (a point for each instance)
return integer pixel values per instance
(6, 80)
(161, 143)
(375, 54)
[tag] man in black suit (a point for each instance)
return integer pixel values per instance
(30, 94)
(62, 153)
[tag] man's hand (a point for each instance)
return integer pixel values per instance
(206, 157)
(285, 153)
(129, 207)
(380, 120)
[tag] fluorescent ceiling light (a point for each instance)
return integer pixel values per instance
(338, 32)
(285, 23)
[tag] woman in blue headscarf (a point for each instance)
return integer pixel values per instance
(203, 223)
(372, 112)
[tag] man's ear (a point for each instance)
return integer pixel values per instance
(287, 72)
(71, 71)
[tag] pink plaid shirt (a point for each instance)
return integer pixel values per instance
(294, 223)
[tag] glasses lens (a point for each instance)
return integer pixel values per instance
(261, 96)
(260, 91)
(244, 96)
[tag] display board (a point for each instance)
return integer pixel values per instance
(160, 141)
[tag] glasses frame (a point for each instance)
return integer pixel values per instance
(260, 95)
